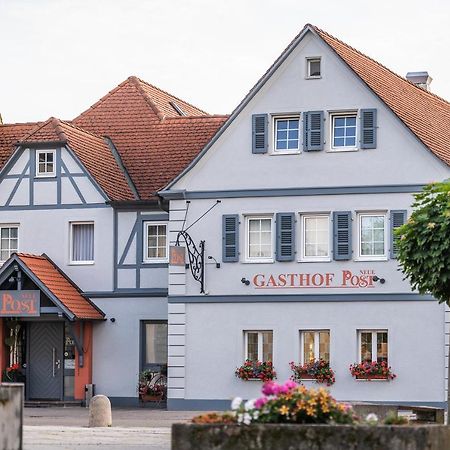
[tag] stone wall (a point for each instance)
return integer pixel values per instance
(309, 437)
(11, 416)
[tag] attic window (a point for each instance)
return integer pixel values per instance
(45, 163)
(177, 108)
(313, 69)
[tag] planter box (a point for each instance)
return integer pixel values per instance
(309, 437)
(151, 398)
(372, 377)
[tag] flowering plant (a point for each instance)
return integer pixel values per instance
(372, 370)
(152, 384)
(256, 369)
(13, 374)
(287, 403)
(319, 370)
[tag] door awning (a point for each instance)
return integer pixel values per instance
(55, 284)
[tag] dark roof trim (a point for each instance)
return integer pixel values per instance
(42, 144)
(260, 83)
(135, 204)
(122, 167)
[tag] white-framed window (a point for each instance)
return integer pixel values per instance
(259, 246)
(286, 134)
(372, 236)
(315, 345)
(81, 243)
(373, 345)
(9, 241)
(258, 345)
(155, 242)
(315, 237)
(313, 67)
(343, 131)
(45, 163)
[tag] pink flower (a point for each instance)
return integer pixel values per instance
(260, 402)
(269, 388)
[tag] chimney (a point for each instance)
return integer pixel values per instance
(420, 79)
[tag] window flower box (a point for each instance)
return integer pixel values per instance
(372, 371)
(152, 386)
(319, 370)
(256, 370)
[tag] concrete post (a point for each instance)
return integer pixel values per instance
(100, 412)
(11, 416)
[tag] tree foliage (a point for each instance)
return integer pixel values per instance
(424, 242)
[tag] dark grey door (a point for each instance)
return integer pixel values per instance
(45, 359)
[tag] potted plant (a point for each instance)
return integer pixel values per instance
(319, 370)
(152, 386)
(13, 374)
(256, 370)
(373, 370)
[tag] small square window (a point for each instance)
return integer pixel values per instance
(259, 345)
(313, 68)
(286, 134)
(155, 242)
(373, 345)
(45, 163)
(9, 241)
(343, 131)
(315, 345)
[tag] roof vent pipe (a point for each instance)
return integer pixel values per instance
(420, 79)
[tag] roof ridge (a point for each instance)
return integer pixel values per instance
(170, 95)
(18, 124)
(51, 120)
(136, 83)
(421, 90)
(29, 255)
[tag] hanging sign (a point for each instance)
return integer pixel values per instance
(363, 279)
(177, 255)
(20, 303)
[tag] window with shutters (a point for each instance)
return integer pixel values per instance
(81, 242)
(259, 246)
(314, 345)
(286, 135)
(313, 68)
(258, 345)
(343, 131)
(315, 242)
(372, 236)
(373, 345)
(9, 241)
(45, 163)
(155, 242)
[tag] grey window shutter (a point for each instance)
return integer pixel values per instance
(312, 131)
(368, 128)
(342, 235)
(285, 223)
(230, 238)
(398, 218)
(259, 133)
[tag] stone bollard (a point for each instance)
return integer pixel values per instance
(11, 410)
(100, 411)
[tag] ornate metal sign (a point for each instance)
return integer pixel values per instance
(20, 303)
(196, 258)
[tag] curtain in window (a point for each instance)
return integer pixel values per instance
(83, 242)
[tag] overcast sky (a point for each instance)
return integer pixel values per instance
(57, 57)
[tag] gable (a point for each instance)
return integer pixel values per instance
(71, 185)
(230, 164)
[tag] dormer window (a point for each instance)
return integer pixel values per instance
(45, 163)
(313, 68)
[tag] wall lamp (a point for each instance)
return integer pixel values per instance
(214, 259)
(381, 280)
(245, 281)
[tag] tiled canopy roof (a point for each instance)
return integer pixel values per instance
(52, 277)
(92, 151)
(425, 114)
(154, 141)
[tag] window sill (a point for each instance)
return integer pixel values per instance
(156, 261)
(283, 153)
(53, 175)
(258, 262)
(314, 78)
(81, 263)
(370, 259)
(326, 260)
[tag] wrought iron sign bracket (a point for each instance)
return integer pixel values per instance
(196, 258)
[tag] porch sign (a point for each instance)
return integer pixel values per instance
(20, 303)
(177, 256)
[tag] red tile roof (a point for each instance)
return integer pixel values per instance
(155, 143)
(59, 284)
(424, 113)
(92, 151)
(9, 135)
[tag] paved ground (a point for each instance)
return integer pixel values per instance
(66, 429)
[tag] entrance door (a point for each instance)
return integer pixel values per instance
(45, 369)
